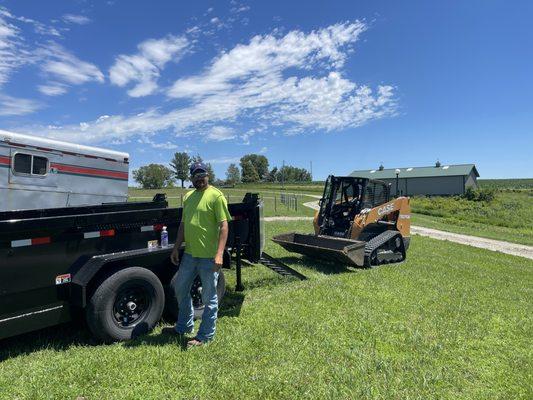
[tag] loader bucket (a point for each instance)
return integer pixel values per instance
(346, 251)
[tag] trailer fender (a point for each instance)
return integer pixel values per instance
(157, 260)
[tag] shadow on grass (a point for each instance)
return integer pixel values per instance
(322, 266)
(57, 338)
(63, 337)
(230, 307)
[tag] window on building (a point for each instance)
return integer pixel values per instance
(31, 165)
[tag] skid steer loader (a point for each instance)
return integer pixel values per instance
(357, 224)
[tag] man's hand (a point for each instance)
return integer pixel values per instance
(175, 256)
(218, 263)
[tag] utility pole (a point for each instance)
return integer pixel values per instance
(311, 170)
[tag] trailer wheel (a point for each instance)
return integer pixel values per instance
(125, 305)
(171, 308)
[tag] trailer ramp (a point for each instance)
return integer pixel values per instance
(280, 268)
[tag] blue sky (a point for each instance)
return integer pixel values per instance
(344, 84)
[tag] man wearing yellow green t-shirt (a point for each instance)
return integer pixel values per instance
(204, 228)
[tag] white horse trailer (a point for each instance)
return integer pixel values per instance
(44, 173)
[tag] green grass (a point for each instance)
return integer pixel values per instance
(508, 217)
(451, 322)
(507, 184)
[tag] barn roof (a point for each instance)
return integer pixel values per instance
(418, 172)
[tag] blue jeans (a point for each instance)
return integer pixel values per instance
(190, 267)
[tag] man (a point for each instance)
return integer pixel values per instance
(204, 228)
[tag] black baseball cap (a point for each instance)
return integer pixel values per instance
(198, 167)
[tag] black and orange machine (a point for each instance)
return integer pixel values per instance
(358, 223)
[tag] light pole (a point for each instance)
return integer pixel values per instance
(397, 179)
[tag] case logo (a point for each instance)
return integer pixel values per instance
(385, 209)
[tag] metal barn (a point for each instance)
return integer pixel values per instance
(437, 180)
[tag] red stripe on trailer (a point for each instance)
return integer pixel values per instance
(97, 234)
(5, 160)
(17, 144)
(74, 169)
(41, 240)
(31, 242)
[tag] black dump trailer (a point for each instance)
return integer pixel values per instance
(58, 264)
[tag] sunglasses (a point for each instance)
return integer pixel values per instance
(199, 175)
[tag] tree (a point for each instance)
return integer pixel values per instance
(259, 162)
(180, 165)
(293, 174)
(153, 176)
(233, 175)
(249, 174)
(272, 175)
(210, 172)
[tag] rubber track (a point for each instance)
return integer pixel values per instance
(378, 241)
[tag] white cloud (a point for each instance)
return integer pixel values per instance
(52, 89)
(12, 51)
(267, 55)
(65, 69)
(220, 133)
(263, 150)
(76, 19)
(166, 145)
(291, 83)
(143, 68)
(223, 160)
(60, 66)
(16, 106)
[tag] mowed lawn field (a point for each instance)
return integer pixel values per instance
(450, 322)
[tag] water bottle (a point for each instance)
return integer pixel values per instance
(164, 237)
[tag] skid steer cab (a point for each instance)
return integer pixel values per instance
(358, 223)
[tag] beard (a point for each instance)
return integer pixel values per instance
(200, 183)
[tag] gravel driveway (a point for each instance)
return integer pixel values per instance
(520, 250)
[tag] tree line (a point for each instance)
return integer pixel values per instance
(253, 168)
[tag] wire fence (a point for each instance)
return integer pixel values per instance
(273, 203)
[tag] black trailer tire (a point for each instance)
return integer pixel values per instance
(171, 307)
(128, 303)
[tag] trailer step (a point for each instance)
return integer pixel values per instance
(280, 267)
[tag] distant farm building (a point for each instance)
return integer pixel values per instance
(438, 180)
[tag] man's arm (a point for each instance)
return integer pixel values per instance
(175, 256)
(222, 238)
